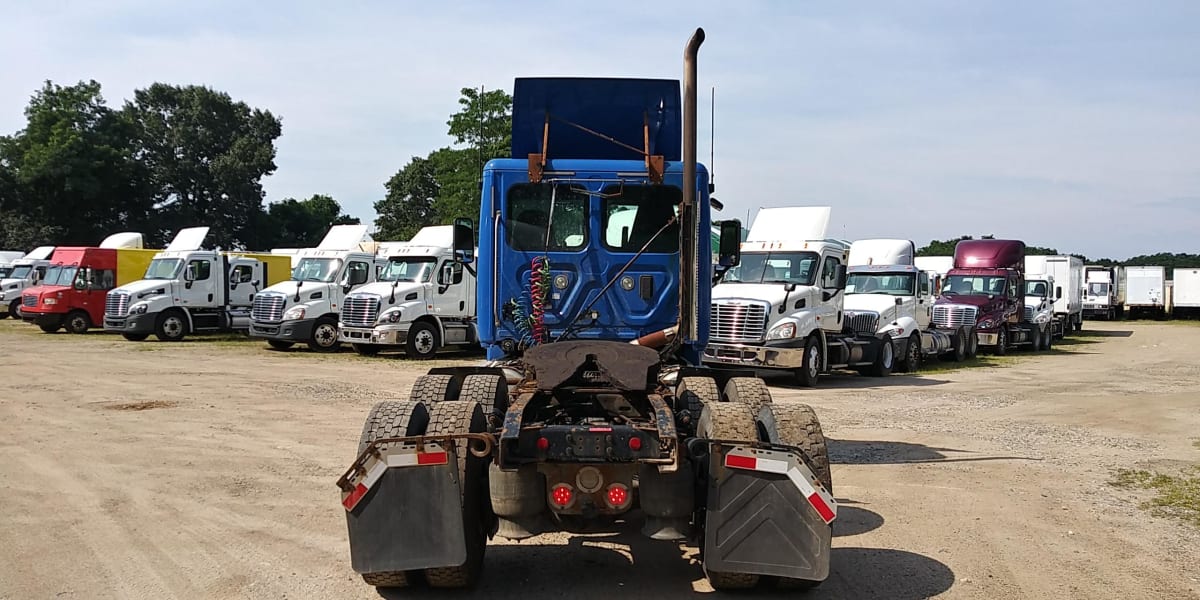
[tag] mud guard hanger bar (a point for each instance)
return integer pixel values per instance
(655, 163)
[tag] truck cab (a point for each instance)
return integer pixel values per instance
(26, 272)
(1104, 294)
(886, 294)
(781, 309)
(305, 308)
(189, 290)
(423, 299)
(1038, 311)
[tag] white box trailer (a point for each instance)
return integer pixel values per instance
(1186, 290)
(1067, 272)
(1145, 290)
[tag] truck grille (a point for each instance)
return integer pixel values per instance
(29, 300)
(360, 310)
(1028, 315)
(268, 308)
(738, 322)
(116, 304)
(953, 315)
(862, 321)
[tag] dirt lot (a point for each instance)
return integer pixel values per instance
(205, 469)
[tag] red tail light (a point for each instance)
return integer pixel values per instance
(543, 444)
(562, 495)
(635, 443)
(617, 496)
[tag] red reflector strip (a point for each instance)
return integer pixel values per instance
(814, 496)
(737, 461)
(351, 499)
(432, 458)
(823, 509)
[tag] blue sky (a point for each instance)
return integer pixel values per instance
(1067, 124)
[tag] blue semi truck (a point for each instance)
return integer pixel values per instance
(593, 412)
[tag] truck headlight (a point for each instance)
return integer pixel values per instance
(49, 301)
(391, 316)
(783, 331)
(295, 312)
(138, 309)
(986, 324)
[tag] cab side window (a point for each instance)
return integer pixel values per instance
(829, 272)
(201, 268)
(241, 274)
(357, 271)
(102, 279)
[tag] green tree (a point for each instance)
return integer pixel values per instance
(408, 205)
(483, 124)
(73, 169)
(207, 155)
(302, 223)
(21, 232)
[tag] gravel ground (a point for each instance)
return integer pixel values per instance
(205, 469)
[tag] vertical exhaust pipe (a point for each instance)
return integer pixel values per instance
(689, 221)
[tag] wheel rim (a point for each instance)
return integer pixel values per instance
(423, 341)
(173, 326)
(914, 353)
(814, 365)
(78, 324)
(887, 355)
(325, 335)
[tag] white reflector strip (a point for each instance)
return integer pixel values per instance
(404, 455)
(786, 463)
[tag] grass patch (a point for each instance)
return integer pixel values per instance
(1175, 496)
(140, 406)
(1196, 444)
(982, 360)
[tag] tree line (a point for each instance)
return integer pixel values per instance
(172, 157)
(1164, 259)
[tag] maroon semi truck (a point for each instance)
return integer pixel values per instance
(986, 288)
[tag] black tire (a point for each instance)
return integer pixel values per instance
(50, 328)
(135, 337)
(797, 425)
(431, 389)
(1048, 341)
(810, 367)
(693, 393)
(14, 309)
(170, 326)
(392, 419)
(461, 416)
(728, 421)
(911, 363)
(1001, 341)
(490, 392)
(280, 344)
(1037, 341)
(422, 342)
(1079, 325)
(366, 349)
(324, 335)
(77, 321)
(959, 346)
(885, 359)
(750, 391)
(972, 343)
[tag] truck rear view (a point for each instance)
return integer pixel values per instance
(593, 412)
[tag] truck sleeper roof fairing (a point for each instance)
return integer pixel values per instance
(882, 252)
(990, 254)
(344, 237)
(191, 238)
(790, 224)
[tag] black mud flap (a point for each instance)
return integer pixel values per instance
(762, 522)
(411, 518)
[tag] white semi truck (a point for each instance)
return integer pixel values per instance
(6, 261)
(781, 308)
(1104, 292)
(1146, 291)
(423, 299)
(305, 308)
(1067, 272)
(887, 294)
(189, 290)
(1038, 312)
(26, 272)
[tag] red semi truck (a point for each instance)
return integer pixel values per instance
(986, 288)
(72, 293)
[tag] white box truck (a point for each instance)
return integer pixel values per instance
(1104, 292)
(1145, 291)
(1067, 272)
(1186, 297)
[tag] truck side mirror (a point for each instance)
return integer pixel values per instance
(841, 277)
(446, 276)
(729, 243)
(189, 273)
(899, 301)
(1058, 292)
(357, 277)
(464, 240)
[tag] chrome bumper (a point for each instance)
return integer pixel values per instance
(987, 339)
(759, 357)
(362, 335)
